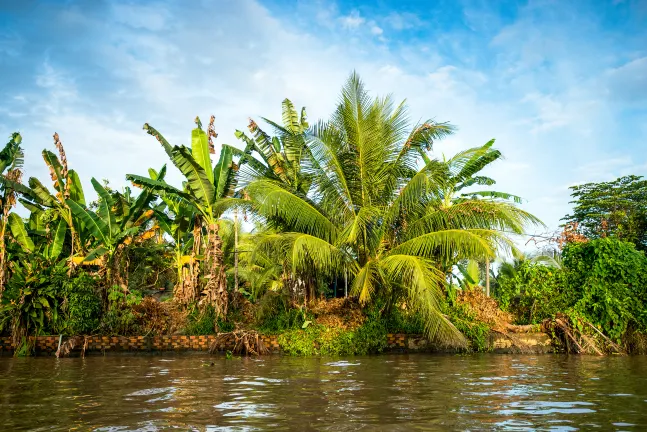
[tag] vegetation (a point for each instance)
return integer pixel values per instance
(357, 204)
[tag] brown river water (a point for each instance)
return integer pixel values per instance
(387, 392)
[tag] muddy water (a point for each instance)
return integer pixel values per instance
(389, 392)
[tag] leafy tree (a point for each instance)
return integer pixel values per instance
(378, 208)
(617, 208)
(282, 157)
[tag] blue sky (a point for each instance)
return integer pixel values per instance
(562, 86)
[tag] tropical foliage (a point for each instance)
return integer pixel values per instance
(359, 203)
(617, 208)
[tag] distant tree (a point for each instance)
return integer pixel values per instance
(612, 209)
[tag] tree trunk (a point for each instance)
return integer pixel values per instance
(3, 252)
(216, 289)
(487, 278)
(187, 288)
(235, 251)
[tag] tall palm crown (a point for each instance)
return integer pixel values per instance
(374, 208)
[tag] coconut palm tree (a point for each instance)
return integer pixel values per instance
(372, 209)
(281, 157)
(205, 190)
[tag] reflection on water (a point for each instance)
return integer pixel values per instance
(398, 392)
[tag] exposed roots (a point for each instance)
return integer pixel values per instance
(582, 339)
(246, 342)
(68, 345)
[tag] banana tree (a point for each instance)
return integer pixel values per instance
(206, 190)
(50, 211)
(176, 218)
(11, 160)
(111, 228)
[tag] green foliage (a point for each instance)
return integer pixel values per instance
(82, 310)
(330, 341)
(607, 282)
(120, 318)
(532, 292)
(617, 208)
(201, 321)
(30, 303)
(476, 332)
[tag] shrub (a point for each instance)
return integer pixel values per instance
(606, 280)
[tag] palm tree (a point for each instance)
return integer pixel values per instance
(372, 209)
(282, 157)
(11, 160)
(206, 189)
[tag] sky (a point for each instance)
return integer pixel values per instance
(562, 86)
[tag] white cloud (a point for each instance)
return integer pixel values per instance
(376, 30)
(239, 61)
(403, 20)
(352, 21)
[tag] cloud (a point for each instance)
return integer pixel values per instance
(530, 82)
(352, 21)
(629, 81)
(402, 20)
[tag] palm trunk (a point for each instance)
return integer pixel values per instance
(487, 278)
(235, 251)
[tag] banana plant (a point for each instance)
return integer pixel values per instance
(11, 161)
(118, 219)
(175, 218)
(49, 208)
(206, 189)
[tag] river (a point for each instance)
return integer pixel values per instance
(388, 392)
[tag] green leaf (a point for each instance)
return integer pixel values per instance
(41, 193)
(223, 173)
(76, 188)
(59, 239)
(158, 186)
(95, 253)
(92, 222)
(54, 164)
(200, 151)
(19, 232)
(106, 202)
(160, 138)
(197, 178)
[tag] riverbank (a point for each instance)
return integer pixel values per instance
(529, 343)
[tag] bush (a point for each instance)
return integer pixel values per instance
(533, 293)
(330, 341)
(82, 310)
(606, 280)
